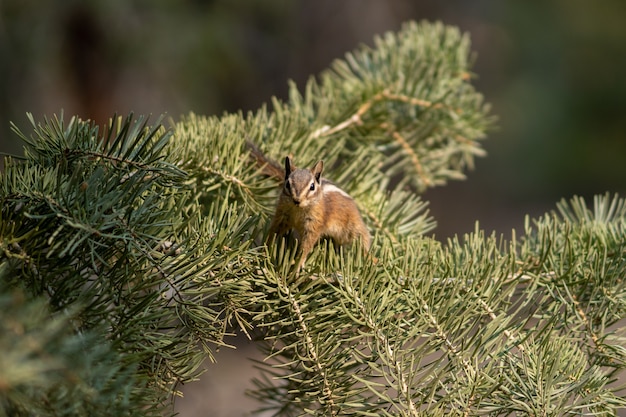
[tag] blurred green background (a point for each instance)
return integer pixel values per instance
(555, 72)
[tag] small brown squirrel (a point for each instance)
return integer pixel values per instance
(313, 208)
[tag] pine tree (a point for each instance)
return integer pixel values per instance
(131, 254)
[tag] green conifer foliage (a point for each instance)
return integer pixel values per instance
(129, 255)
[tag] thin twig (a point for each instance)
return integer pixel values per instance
(446, 340)
(378, 225)
(583, 316)
(416, 162)
(112, 158)
(390, 353)
(229, 178)
(328, 393)
(356, 118)
(493, 316)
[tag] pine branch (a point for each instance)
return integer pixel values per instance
(88, 223)
(475, 308)
(47, 367)
(408, 97)
(155, 247)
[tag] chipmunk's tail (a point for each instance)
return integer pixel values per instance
(268, 166)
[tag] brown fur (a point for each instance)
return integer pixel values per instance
(324, 211)
(268, 166)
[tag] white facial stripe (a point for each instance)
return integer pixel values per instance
(332, 188)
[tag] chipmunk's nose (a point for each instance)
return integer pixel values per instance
(296, 201)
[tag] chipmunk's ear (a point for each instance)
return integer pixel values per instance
(288, 167)
(317, 170)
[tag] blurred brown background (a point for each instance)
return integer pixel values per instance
(555, 72)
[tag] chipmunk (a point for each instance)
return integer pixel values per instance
(313, 208)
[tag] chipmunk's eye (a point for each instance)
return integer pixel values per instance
(288, 186)
(312, 187)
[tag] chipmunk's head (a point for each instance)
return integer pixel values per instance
(304, 186)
